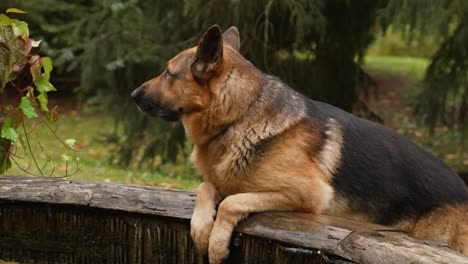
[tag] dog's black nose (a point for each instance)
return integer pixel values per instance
(136, 94)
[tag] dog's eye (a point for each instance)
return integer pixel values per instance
(167, 73)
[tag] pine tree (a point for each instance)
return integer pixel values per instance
(443, 99)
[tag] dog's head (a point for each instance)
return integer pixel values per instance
(184, 87)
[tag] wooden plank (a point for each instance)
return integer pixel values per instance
(301, 230)
(325, 236)
(356, 241)
(129, 198)
(388, 248)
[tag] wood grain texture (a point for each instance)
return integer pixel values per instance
(60, 221)
(131, 198)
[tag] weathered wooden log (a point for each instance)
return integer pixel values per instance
(45, 220)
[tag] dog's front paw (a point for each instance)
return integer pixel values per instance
(219, 246)
(200, 230)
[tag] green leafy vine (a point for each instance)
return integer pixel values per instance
(28, 75)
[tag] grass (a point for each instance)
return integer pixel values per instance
(411, 67)
(93, 155)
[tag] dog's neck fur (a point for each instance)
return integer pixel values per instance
(282, 105)
(238, 150)
(231, 95)
(275, 101)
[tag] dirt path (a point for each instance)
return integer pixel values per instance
(389, 97)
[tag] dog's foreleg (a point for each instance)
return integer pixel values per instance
(203, 215)
(235, 207)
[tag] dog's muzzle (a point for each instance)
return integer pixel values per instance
(152, 108)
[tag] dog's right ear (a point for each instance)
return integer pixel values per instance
(231, 37)
(209, 53)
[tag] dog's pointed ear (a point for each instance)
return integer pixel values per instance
(232, 38)
(209, 53)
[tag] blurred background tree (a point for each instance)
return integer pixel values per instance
(106, 48)
(444, 95)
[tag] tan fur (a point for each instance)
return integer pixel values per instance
(283, 168)
(340, 206)
(229, 119)
(447, 225)
(330, 154)
(287, 179)
(204, 215)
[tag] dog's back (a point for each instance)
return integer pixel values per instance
(385, 173)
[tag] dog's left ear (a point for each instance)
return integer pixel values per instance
(209, 53)
(231, 37)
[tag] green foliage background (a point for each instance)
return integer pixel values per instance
(314, 45)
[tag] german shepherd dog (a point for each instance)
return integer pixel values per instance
(262, 146)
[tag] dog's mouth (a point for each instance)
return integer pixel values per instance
(171, 116)
(153, 108)
(165, 114)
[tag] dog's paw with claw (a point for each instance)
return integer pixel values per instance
(200, 229)
(219, 246)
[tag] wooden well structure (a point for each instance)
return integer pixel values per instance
(45, 220)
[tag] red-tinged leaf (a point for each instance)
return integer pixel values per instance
(35, 67)
(27, 47)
